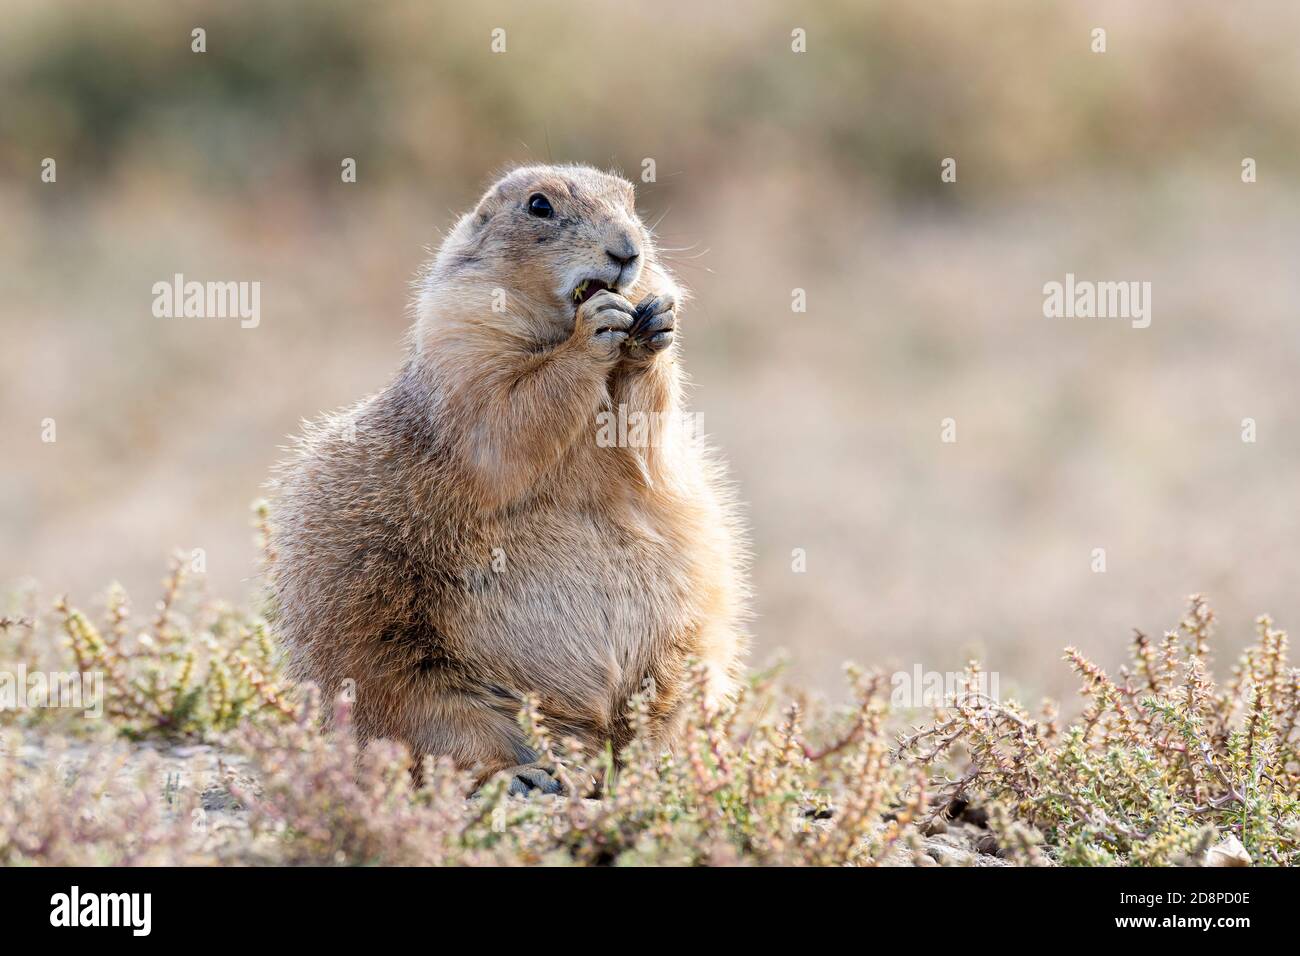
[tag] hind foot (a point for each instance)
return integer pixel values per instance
(528, 778)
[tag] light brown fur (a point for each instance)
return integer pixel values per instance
(462, 538)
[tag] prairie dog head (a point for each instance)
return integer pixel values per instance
(541, 241)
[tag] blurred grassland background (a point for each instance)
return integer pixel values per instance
(775, 171)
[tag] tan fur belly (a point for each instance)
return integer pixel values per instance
(579, 612)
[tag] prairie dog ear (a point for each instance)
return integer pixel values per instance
(482, 213)
(489, 205)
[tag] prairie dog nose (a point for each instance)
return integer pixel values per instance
(623, 251)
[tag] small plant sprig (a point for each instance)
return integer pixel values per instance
(183, 676)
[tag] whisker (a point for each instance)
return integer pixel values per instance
(673, 258)
(691, 265)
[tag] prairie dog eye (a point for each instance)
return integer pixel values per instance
(540, 206)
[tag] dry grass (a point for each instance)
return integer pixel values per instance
(1161, 767)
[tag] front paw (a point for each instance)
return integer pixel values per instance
(653, 328)
(605, 320)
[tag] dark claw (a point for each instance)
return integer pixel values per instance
(649, 310)
(651, 330)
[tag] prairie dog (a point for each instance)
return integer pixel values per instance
(483, 528)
